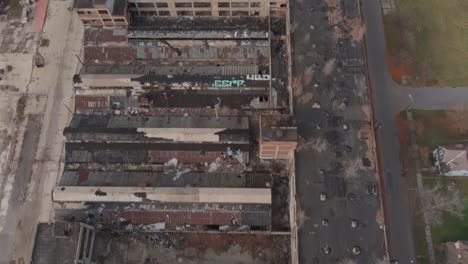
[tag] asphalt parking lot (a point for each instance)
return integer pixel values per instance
(338, 201)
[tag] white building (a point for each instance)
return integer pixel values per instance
(451, 161)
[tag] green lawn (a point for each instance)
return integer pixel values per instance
(453, 228)
(429, 38)
(432, 131)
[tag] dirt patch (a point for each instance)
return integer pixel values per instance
(318, 144)
(352, 167)
(299, 82)
(305, 98)
(366, 108)
(20, 107)
(334, 13)
(301, 216)
(379, 218)
(329, 66)
(357, 29)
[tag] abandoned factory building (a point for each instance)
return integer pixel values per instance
(180, 125)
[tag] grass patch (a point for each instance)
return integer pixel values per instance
(437, 127)
(15, 9)
(453, 228)
(429, 39)
(433, 128)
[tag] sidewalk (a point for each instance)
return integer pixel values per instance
(48, 92)
(417, 165)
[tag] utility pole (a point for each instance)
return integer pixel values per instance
(79, 59)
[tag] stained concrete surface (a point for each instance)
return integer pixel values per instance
(32, 174)
(336, 157)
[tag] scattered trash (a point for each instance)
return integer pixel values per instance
(323, 197)
(214, 165)
(316, 106)
(179, 173)
(325, 222)
(239, 156)
(171, 163)
(101, 208)
(223, 228)
(154, 227)
(356, 250)
(39, 60)
(326, 250)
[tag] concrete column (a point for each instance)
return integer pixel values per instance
(171, 6)
(214, 8)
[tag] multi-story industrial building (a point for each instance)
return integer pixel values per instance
(119, 12)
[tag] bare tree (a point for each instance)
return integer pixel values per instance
(458, 119)
(438, 199)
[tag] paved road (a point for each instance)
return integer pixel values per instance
(389, 99)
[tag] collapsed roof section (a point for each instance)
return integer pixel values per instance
(111, 128)
(112, 46)
(171, 215)
(157, 153)
(151, 103)
(173, 77)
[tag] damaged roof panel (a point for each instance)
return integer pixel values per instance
(200, 28)
(165, 179)
(151, 152)
(198, 54)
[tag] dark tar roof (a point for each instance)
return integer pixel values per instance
(172, 70)
(279, 134)
(165, 179)
(83, 4)
(139, 153)
(118, 8)
(237, 99)
(51, 247)
(278, 128)
(240, 122)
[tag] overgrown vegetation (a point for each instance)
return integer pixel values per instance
(15, 10)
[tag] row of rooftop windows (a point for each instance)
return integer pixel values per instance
(195, 4)
(200, 13)
(105, 20)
